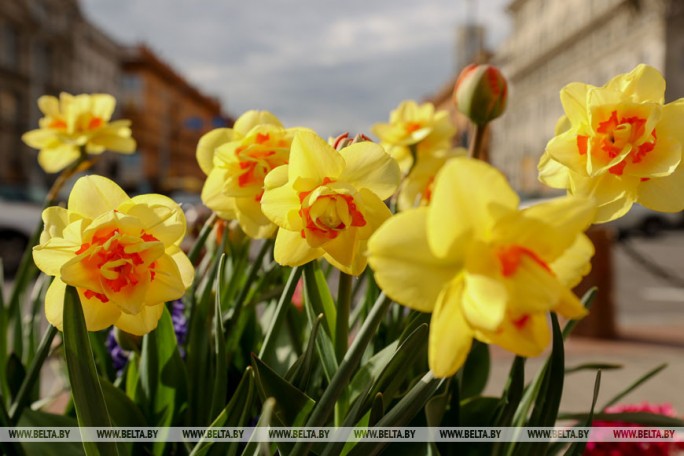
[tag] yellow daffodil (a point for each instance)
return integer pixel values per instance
(236, 161)
(122, 254)
(328, 203)
(74, 122)
(416, 188)
(415, 126)
(484, 268)
(619, 144)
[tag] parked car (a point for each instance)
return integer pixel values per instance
(641, 220)
(18, 220)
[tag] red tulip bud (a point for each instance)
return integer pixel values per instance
(481, 93)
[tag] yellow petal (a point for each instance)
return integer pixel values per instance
(643, 83)
(94, 195)
(55, 159)
(98, 315)
(613, 195)
(450, 336)
(484, 296)
(167, 284)
(49, 105)
(251, 119)
(403, 264)
(660, 162)
(208, 144)
(574, 99)
(670, 125)
(54, 303)
(40, 139)
(55, 220)
(103, 105)
(553, 173)
(563, 149)
(141, 323)
(563, 218)
(575, 262)
(51, 256)
(292, 250)
(374, 211)
(252, 220)
(159, 215)
(664, 194)
(280, 202)
(185, 267)
(469, 196)
(114, 142)
(528, 339)
(346, 252)
(214, 197)
(369, 166)
(311, 158)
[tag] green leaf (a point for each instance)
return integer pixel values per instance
(436, 407)
(162, 376)
(221, 360)
(577, 448)
(265, 419)
(235, 414)
(479, 411)
(300, 372)
(292, 405)
(326, 404)
(91, 408)
(547, 402)
(475, 370)
(324, 344)
(202, 238)
(642, 418)
(403, 412)
(31, 418)
(122, 410)
(15, 374)
(592, 367)
(641, 380)
(318, 293)
(377, 410)
(513, 392)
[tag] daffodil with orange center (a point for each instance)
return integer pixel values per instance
(72, 123)
(236, 161)
(484, 268)
(122, 254)
(414, 126)
(328, 203)
(620, 145)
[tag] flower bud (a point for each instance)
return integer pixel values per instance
(481, 93)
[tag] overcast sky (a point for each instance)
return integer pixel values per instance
(331, 65)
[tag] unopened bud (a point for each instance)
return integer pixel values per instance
(481, 93)
(344, 140)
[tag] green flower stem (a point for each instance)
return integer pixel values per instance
(350, 362)
(34, 371)
(342, 320)
(475, 150)
(282, 308)
(202, 238)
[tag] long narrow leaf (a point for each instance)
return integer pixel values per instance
(91, 409)
(221, 368)
(577, 448)
(644, 378)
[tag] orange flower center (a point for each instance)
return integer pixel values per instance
(510, 257)
(410, 127)
(92, 124)
(329, 214)
(258, 159)
(613, 135)
(111, 257)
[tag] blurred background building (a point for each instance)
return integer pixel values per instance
(49, 46)
(555, 42)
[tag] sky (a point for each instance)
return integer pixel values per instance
(330, 65)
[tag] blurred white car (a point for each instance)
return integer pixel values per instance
(18, 220)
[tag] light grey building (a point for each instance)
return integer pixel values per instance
(555, 42)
